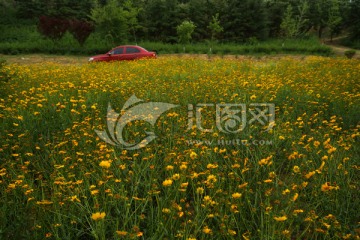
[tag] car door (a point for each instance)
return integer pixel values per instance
(132, 53)
(117, 54)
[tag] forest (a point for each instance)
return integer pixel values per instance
(115, 22)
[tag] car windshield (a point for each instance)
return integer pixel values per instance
(117, 51)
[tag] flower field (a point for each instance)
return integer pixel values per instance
(298, 179)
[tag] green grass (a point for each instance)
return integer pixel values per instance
(55, 172)
(18, 39)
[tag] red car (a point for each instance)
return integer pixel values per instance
(122, 53)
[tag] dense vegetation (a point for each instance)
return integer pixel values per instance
(59, 180)
(107, 23)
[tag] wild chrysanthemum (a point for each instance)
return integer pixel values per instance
(167, 182)
(280, 219)
(105, 164)
(98, 216)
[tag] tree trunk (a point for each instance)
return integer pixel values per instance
(321, 28)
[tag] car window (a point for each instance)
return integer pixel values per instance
(117, 51)
(132, 50)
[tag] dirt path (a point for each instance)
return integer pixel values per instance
(40, 58)
(338, 49)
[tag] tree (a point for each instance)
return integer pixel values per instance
(29, 9)
(80, 30)
(184, 31)
(244, 20)
(53, 27)
(215, 27)
(161, 27)
(354, 20)
(288, 24)
(334, 20)
(320, 15)
(114, 21)
(131, 14)
(302, 18)
(7, 12)
(199, 13)
(295, 25)
(275, 12)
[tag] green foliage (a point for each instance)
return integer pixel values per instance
(131, 15)
(26, 40)
(161, 27)
(200, 13)
(295, 25)
(335, 19)
(124, 21)
(110, 20)
(350, 53)
(184, 31)
(29, 9)
(215, 27)
(288, 24)
(354, 20)
(245, 19)
(26, 9)
(318, 15)
(351, 43)
(115, 20)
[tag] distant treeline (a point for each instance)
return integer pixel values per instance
(121, 21)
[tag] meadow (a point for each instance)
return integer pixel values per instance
(298, 179)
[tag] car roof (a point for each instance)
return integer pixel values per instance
(129, 46)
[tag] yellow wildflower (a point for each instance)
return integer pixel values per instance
(167, 182)
(207, 230)
(295, 197)
(236, 195)
(309, 175)
(121, 233)
(296, 169)
(193, 155)
(176, 176)
(98, 216)
(169, 167)
(105, 164)
(280, 219)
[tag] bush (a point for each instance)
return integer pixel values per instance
(350, 53)
(80, 30)
(52, 27)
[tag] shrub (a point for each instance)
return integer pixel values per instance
(80, 30)
(53, 27)
(350, 53)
